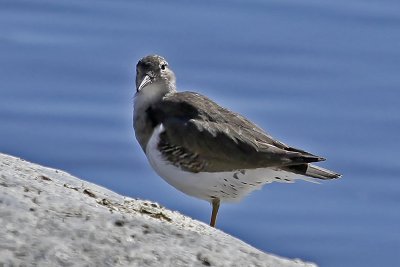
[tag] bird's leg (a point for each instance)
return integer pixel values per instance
(215, 206)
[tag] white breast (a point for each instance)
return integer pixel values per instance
(227, 186)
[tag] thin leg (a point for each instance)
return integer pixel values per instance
(215, 206)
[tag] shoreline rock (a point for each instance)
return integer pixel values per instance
(50, 218)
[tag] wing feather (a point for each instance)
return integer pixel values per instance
(225, 140)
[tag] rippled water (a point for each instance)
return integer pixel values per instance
(323, 76)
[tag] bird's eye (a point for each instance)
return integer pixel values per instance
(163, 66)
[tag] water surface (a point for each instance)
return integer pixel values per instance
(322, 76)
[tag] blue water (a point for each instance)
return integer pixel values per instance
(320, 75)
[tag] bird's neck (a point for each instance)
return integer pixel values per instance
(147, 97)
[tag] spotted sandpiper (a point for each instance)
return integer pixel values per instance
(205, 150)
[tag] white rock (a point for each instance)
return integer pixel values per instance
(50, 218)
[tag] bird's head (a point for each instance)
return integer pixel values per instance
(153, 73)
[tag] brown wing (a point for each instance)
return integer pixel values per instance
(220, 139)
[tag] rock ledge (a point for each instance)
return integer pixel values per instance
(50, 218)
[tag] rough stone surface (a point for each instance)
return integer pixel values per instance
(50, 218)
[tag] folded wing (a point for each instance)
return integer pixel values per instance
(218, 139)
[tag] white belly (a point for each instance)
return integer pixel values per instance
(227, 186)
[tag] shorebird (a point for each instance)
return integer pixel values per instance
(205, 150)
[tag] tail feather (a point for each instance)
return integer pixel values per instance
(321, 173)
(312, 171)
